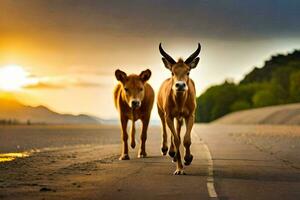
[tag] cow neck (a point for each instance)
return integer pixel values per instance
(133, 112)
(179, 99)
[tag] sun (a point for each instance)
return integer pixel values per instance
(13, 77)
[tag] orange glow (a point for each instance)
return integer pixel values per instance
(5, 157)
(13, 77)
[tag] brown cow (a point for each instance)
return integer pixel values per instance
(133, 98)
(177, 100)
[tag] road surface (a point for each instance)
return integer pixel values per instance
(230, 162)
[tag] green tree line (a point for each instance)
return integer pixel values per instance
(277, 82)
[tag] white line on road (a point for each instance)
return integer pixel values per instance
(211, 190)
(210, 179)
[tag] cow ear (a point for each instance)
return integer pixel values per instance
(121, 76)
(194, 63)
(167, 64)
(145, 75)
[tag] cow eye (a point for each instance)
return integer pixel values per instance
(141, 89)
(172, 74)
(126, 89)
(188, 73)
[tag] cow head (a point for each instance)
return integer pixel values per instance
(180, 69)
(133, 86)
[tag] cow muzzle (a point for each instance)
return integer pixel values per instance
(135, 103)
(180, 86)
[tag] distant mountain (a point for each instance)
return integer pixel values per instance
(14, 110)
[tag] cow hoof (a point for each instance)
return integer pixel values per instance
(171, 154)
(174, 159)
(188, 159)
(179, 172)
(132, 145)
(164, 151)
(124, 157)
(142, 155)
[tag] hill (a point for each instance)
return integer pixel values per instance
(14, 110)
(288, 62)
(283, 114)
(276, 83)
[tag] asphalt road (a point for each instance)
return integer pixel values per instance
(254, 162)
(230, 162)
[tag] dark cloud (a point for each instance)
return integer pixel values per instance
(198, 18)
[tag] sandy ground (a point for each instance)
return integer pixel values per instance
(81, 162)
(282, 114)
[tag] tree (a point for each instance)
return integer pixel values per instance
(277, 82)
(240, 105)
(264, 98)
(295, 87)
(215, 102)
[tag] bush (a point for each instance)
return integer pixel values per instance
(264, 98)
(295, 87)
(239, 105)
(278, 82)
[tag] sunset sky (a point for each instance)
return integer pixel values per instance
(63, 54)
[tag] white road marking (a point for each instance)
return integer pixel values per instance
(210, 179)
(211, 190)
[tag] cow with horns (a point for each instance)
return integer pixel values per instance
(177, 102)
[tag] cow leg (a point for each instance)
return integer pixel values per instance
(188, 158)
(178, 129)
(132, 134)
(176, 140)
(172, 147)
(178, 126)
(124, 138)
(164, 143)
(142, 151)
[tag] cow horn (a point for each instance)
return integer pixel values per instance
(194, 55)
(165, 55)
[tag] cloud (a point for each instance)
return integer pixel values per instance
(90, 70)
(61, 85)
(86, 84)
(42, 85)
